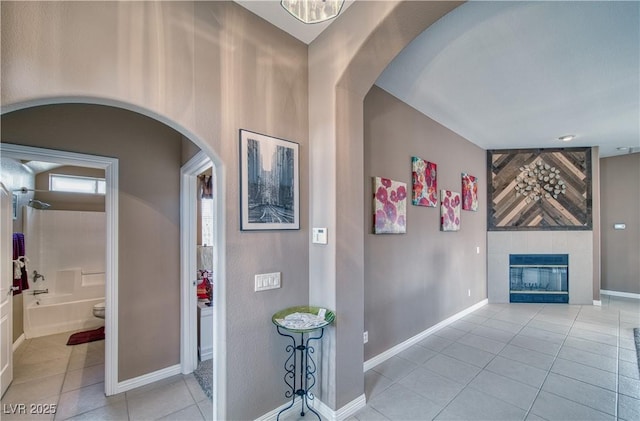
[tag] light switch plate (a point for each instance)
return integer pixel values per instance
(319, 236)
(265, 281)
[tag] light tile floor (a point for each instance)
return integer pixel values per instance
(502, 362)
(516, 362)
(47, 371)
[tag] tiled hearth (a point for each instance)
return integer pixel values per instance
(577, 244)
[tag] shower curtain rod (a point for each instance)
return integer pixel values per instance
(26, 190)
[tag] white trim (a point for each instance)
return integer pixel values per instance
(18, 342)
(324, 410)
(361, 401)
(597, 303)
(188, 235)
(110, 166)
(219, 400)
(148, 378)
(342, 413)
(620, 294)
(380, 358)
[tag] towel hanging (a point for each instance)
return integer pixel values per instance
(20, 278)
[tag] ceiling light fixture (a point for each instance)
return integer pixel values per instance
(567, 137)
(623, 148)
(313, 11)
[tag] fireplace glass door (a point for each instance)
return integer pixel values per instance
(539, 278)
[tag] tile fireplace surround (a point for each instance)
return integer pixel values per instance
(577, 244)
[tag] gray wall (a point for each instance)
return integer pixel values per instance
(415, 280)
(149, 242)
(620, 193)
(263, 85)
(209, 69)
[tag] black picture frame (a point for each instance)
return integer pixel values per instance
(269, 183)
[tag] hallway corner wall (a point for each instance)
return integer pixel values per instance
(619, 203)
(415, 280)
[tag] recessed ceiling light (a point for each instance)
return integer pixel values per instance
(567, 137)
(623, 148)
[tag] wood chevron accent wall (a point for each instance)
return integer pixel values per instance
(568, 210)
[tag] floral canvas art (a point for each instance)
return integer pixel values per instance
(389, 206)
(425, 182)
(449, 210)
(469, 192)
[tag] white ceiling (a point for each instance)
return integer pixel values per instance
(521, 74)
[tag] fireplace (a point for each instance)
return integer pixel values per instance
(539, 278)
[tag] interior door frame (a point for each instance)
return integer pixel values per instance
(188, 251)
(6, 294)
(188, 274)
(110, 167)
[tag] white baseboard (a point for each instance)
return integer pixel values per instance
(342, 413)
(18, 342)
(620, 294)
(380, 358)
(361, 401)
(597, 303)
(148, 378)
(328, 413)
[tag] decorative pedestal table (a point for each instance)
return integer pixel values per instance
(300, 370)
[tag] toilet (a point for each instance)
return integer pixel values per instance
(98, 310)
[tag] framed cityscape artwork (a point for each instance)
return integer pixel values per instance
(269, 183)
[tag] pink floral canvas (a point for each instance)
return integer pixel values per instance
(389, 206)
(449, 210)
(469, 192)
(425, 182)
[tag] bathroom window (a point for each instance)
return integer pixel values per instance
(207, 221)
(77, 184)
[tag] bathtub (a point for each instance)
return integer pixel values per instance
(48, 314)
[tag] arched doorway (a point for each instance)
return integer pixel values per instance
(156, 212)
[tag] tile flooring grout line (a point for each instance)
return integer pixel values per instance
(126, 405)
(571, 400)
(555, 357)
(484, 367)
(64, 379)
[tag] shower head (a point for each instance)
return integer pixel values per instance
(37, 204)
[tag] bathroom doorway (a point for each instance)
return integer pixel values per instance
(100, 280)
(150, 157)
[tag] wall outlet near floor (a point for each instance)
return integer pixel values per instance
(365, 336)
(265, 281)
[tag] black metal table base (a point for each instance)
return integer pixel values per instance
(300, 373)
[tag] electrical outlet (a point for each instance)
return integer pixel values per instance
(469, 293)
(365, 337)
(265, 281)
(478, 250)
